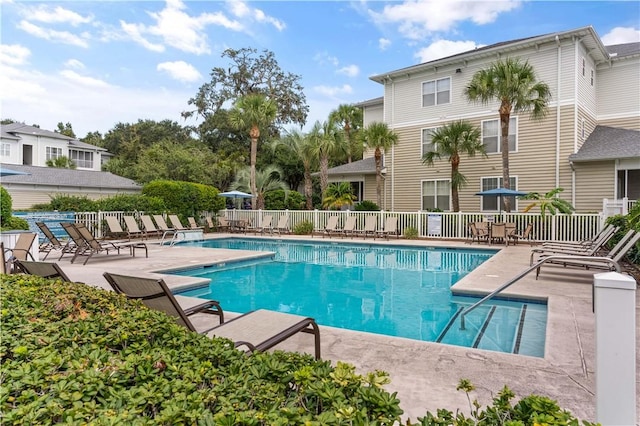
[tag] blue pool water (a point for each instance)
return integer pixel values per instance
(398, 291)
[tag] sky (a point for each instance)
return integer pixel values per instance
(96, 63)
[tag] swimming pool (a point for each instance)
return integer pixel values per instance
(398, 291)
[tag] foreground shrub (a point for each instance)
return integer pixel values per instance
(7, 220)
(303, 228)
(75, 354)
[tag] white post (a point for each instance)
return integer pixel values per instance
(615, 315)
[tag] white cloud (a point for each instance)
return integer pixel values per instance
(180, 70)
(419, 18)
(82, 80)
(74, 63)
(134, 32)
(240, 9)
(443, 48)
(384, 43)
(53, 35)
(621, 35)
(57, 15)
(324, 58)
(349, 70)
(333, 91)
(13, 54)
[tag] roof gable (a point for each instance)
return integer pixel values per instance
(67, 177)
(609, 143)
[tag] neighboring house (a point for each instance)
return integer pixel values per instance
(43, 182)
(27, 148)
(588, 144)
(32, 146)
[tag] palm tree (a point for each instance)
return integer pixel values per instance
(61, 163)
(338, 195)
(350, 118)
(252, 113)
(326, 140)
(450, 141)
(548, 202)
(268, 179)
(513, 83)
(379, 137)
(300, 145)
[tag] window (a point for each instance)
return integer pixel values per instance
(436, 194)
(592, 77)
(427, 145)
(491, 203)
(358, 190)
(582, 125)
(5, 150)
(491, 135)
(584, 65)
(82, 159)
(53, 153)
(436, 92)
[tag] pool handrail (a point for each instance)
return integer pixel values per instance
(559, 257)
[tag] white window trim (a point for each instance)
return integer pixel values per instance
(48, 151)
(84, 152)
(513, 117)
(434, 180)
(5, 147)
(422, 151)
(482, 178)
(435, 80)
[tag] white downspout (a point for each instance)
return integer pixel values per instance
(559, 77)
(393, 151)
(575, 119)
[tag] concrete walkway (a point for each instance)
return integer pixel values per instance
(425, 374)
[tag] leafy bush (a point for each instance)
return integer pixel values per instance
(303, 228)
(366, 205)
(6, 206)
(410, 233)
(278, 200)
(15, 222)
(131, 202)
(68, 203)
(185, 198)
(75, 354)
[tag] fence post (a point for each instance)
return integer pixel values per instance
(615, 315)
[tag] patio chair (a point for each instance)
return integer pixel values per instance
(257, 330)
(604, 234)
(149, 226)
(331, 226)
(93, 246)
(584, 250)
(52, 242)
(192, 223)
(370, 227)
(176, 223)
(349, 227)
(3, 259)
(594, 261)
(115, 229)
(163, 227)
(283, 225)
(21, 250)
(498, 233)
(265, 226)
(390, 228)
(133, 229)
(478, 234)
(41, 269)
(515, 236)
(221, 224)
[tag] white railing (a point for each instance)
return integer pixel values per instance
(614, 207)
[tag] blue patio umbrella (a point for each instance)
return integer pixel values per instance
(235, 194)
(501, 192)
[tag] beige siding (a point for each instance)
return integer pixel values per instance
(631, 123)
(25, 198)
(586, 124)
(586, 91)
(373, 114)
(618, 87)
(594, 181)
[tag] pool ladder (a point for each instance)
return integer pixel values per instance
(535, 267)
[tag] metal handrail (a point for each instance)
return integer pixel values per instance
(566, 258)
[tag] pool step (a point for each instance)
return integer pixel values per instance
(498, 327)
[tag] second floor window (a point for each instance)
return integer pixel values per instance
(427, 145)
(491, 203)
(82, 159)
(53, 153)
(5, 150)
(491, 135)
(436, 92)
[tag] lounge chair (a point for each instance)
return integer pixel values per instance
(91, 245)
(257, 330)
(390, 228)
(283, 225)
(133, 229)
(163, 227)
(176, 223)
(3, 259)
(149, 226)
(115, 230)
(593, 261)
(604, 235)
(515, 236)
(53, 243)
(580, 249)
(349, 227)
(42, 269)
(331, 226)
(192, 223)
(478, 234)
(370, 227)
(265, 226)
(21, 250)
(220, 224)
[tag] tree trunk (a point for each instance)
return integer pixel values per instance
(324, 174)
(308, 188)
(378, 158)
(254, 134)
(455, 197)
(505, 115)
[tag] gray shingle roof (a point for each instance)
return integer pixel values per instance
(13, 131)
(365, 166)
(67, 177)
(609, 143)
(626, 49)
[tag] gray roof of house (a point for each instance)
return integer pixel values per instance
(13, 131)
(626, 49)
(609, 143)
(67, 177)
(365, 166)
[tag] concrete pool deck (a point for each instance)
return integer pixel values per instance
(424, 374)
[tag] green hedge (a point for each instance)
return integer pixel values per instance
(75, 354)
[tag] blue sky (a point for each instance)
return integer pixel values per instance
(97, 63)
